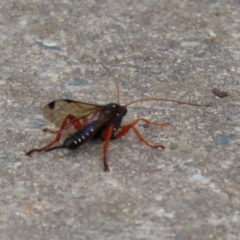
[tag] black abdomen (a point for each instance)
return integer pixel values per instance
(80, 137)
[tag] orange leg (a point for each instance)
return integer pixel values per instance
(48, 130)
(65, 125)
(74, 122)
(107, 137)
(124, 130)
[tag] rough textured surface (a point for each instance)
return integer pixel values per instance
(191, 190)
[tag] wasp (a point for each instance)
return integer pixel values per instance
(91, 121)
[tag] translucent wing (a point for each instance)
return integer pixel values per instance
(56, 111)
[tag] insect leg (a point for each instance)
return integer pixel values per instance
(107, 137)
(141, 138)
(124, 130)
(48, 130)
(65, 125)
(73, 122)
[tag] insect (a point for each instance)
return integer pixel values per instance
(91, 121)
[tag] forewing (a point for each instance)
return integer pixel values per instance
(56, 111)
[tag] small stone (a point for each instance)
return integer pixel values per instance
(119, 56)
(54, 78)
(47, 45)
(212, 34)
(219, 93)
(198, 177)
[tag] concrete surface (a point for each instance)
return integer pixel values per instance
(172, 49)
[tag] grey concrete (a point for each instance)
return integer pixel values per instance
(172, 49)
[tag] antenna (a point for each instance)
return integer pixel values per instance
(115, 81)
(163, 100)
